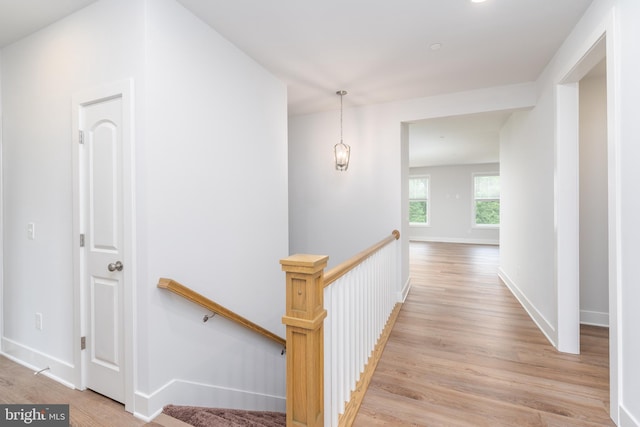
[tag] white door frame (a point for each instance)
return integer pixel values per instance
(1, 232)
(567, 226)
(566, 202)
(123, 89)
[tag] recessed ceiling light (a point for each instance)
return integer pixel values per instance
(478, 1)
(436, 46)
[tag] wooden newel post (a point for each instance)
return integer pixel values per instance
(304, 319)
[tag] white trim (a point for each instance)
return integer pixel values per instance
(455, 240)
(594, 318)
(403, 251)
(485, 226)
(566, 189)
(1, 226)
(124, 89)
(402, 296)
(566, 217)
(427, 200)
(591, 52)
(538, 318)
(59, 370)
(473, 201)
(182, 392)
(614, 215)
(626, 419)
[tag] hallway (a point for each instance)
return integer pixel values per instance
(463, 352)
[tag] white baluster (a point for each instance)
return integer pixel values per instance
(358, 305)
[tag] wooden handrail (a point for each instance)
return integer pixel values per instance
(340, 270)
(193, 296)
(306, 282)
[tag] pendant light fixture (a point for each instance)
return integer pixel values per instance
(341, 150)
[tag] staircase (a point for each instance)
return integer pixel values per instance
(164, 420)
(181, 416)
(363, 299)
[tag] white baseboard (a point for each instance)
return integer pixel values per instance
(547, 329)
(626, 419)
(147, 407)
(35, 360)
(455, 240)
(178, 392)
(405, 290)
(594, 318)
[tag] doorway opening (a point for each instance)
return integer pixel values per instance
(454, 178)
(587, 190)
(593, 235)
(104, 273)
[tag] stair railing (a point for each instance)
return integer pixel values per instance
(193, 296)
(330, 362)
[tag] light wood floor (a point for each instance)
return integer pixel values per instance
(87, 409)
(463, 352)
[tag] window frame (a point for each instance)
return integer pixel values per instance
(474, 199)
(427, 200)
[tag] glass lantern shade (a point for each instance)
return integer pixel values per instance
(341, 152)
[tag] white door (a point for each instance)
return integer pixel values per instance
(101, 155)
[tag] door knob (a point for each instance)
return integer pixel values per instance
(115, 266)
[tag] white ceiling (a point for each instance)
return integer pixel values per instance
(465, 139)
(456, 140)
(377, 50)
(19, 18)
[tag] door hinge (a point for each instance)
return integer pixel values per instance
(81, 136)
(82, 240)
(83, 343)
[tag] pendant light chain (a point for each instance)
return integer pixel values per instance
(341, 94)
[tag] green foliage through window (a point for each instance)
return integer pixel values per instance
(418, 212)
(487, 199)
(488, 212)
(419, 199)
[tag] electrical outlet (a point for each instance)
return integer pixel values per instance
(39, 321)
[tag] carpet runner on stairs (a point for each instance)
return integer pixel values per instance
(214, 417)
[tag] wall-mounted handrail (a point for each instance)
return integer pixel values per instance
(340, 270)
(193, 296)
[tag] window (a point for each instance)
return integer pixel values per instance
(419, 200)
(486, 206)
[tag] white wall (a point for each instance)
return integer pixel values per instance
(211, 200)
(527, 161)
(627, 16)
(341, 213)
(451, 206)
(594, 249)
(1, 215)
(527, 253)
(216, 215)
(320, 201)
(529, 168)
(101, 43)
(332, 213)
